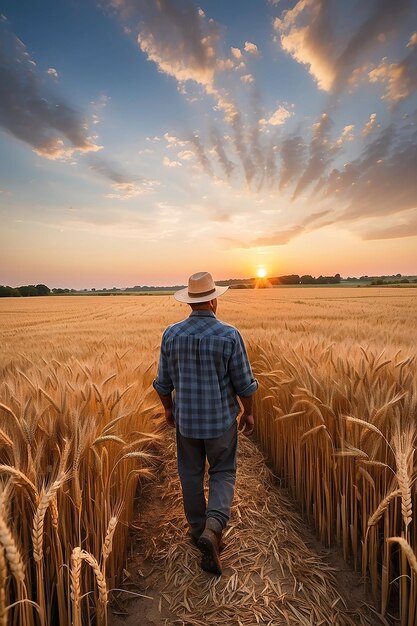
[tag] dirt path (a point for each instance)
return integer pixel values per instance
(270, 575)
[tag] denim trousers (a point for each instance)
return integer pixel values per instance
(220, 453)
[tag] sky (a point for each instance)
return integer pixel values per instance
(144, 140)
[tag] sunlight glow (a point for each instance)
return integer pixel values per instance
(261, 272)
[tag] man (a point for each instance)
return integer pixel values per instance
(204, 362)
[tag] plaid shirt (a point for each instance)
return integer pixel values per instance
(204, 360)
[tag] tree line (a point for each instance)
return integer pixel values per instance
(306, 279)
(24, 291)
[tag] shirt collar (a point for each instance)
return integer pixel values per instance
(202, 313)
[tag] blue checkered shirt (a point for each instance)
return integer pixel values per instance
(204, 361)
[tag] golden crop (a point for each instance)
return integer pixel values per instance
(336, 415)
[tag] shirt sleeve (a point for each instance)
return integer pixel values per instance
(163, 383)
(240, 370)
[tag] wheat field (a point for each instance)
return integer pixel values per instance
(81, 427)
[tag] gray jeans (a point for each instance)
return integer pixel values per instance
(191, 458)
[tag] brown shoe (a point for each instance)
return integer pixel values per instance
(209, 545)
(194, 540)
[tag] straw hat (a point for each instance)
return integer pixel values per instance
(201, 288)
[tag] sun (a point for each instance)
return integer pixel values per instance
(261, 272)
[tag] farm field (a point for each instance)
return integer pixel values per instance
(80, 425)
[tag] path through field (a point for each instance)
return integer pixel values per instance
(270, 575)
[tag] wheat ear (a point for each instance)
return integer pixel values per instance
(408, 551)
(75, 575)
(12, 552)
(38, 521)
(3, 581)
(382, 507)
(101, 582)
(108, 541)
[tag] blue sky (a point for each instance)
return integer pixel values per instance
(143, 141)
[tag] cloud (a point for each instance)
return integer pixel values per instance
(186, 155)
(124, 187)
(225, 163)
(278, 117)
(247, 78)
(405, 227)
(284, 236)
(52, 127)
(179, 40)
(308, 32)
(379, 184)
(128, 190)
(252, 48)
(201, 155)
(182, 42)
(236, 52)
(400, 78)
(292, 152)
(305, 34)
(172, 141)
(52, 72)
(321, 150)
(370, 125)
(346, 135)
(170, 163)
(176, 36)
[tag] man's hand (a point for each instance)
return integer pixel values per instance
(169, 418)
(246, 424)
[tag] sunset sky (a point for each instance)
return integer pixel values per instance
(142, 141)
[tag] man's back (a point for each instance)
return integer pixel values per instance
(204, 360)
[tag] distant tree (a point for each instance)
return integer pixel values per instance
(291, 279)
(9, 292)
(43, 290)
(307, 279)
(28, 290)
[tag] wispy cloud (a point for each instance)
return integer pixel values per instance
(292, 152)
(399, 78)
(321, 154)
(124, 187)
(222, 157)
(308, 32)
(370, 125)
(285, 235)
(51, 126)
(278, 117)
(406, 226)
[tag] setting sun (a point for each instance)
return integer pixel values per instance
(261, 272)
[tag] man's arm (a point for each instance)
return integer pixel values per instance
(247, 421)
(244, 384)
(163, 386)
(166, 400)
